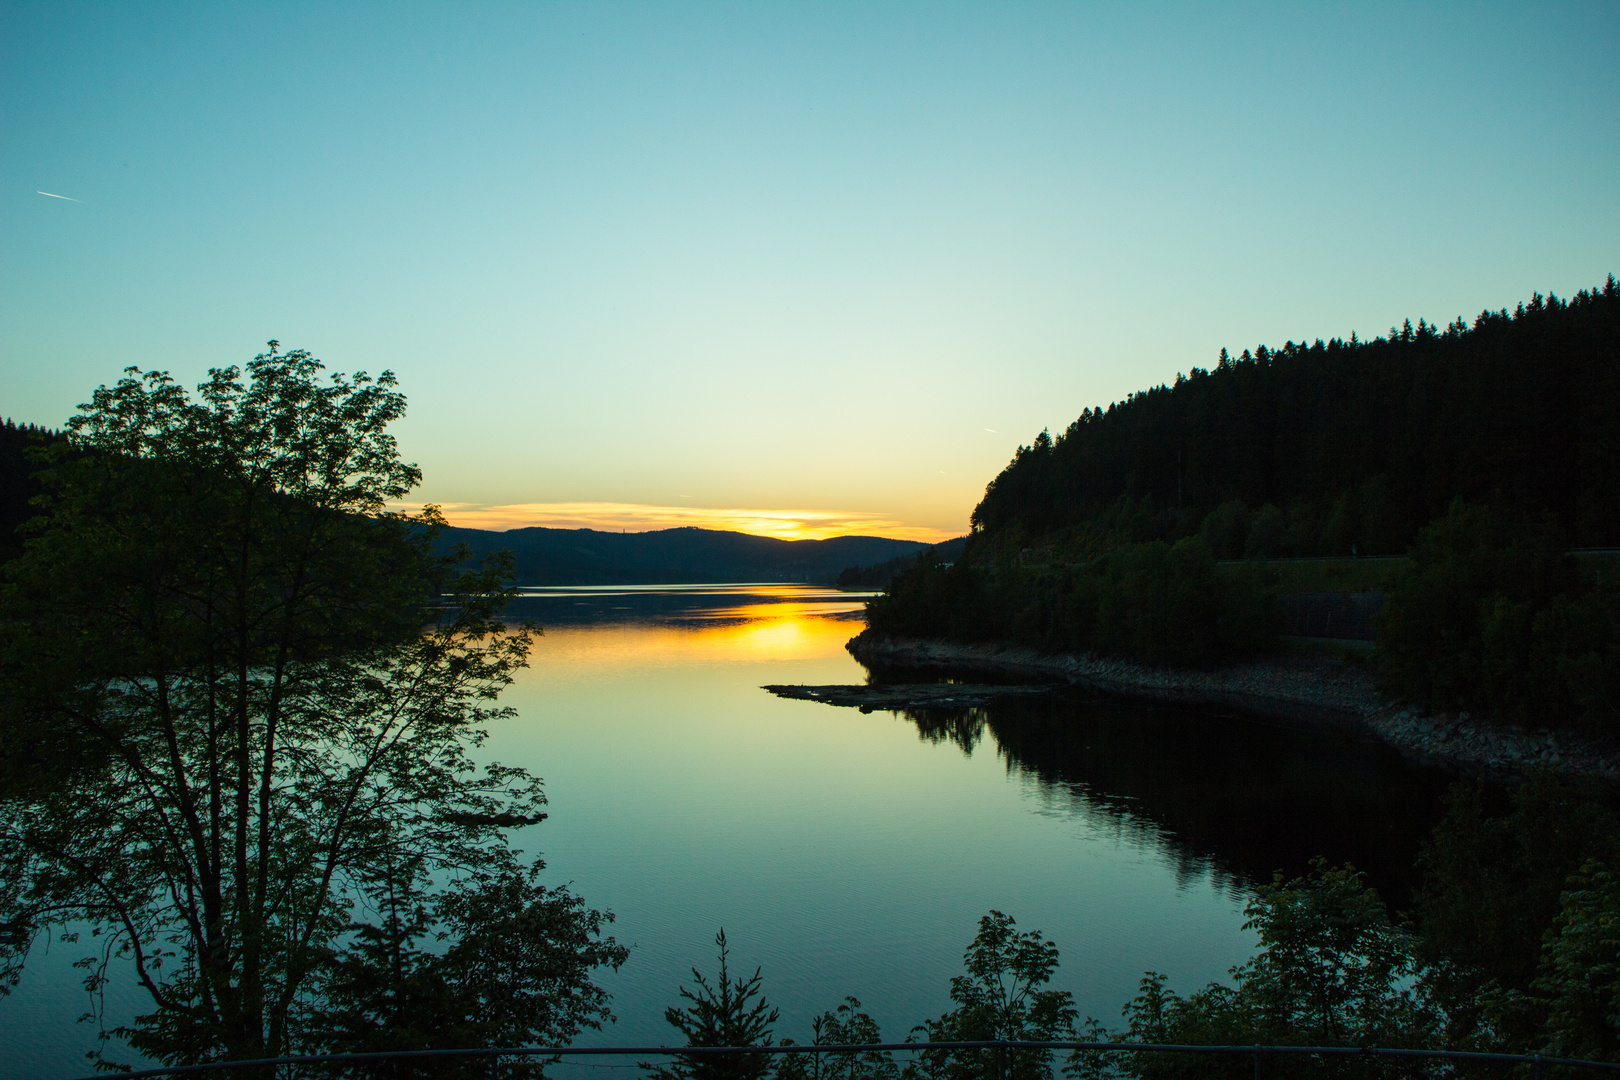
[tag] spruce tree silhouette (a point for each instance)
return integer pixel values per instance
(733, 1012)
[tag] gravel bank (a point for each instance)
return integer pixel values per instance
(1299, 690)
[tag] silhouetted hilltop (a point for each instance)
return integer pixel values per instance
(676, 556)
(1342, 447)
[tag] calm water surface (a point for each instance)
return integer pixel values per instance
(849, 853)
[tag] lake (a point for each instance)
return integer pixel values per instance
(852, 854)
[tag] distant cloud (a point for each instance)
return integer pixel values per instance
(638, 517)
(54, 196)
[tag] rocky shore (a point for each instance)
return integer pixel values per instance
(1315, 691)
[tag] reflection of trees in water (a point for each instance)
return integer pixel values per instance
(1218, 794)
(1116, 816)
(964, 727)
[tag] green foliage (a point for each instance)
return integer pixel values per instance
(1158, 603)
(1264, 537)
(1225, 530)
(1576, 994)
(1170, 604)
(846, 1025)
(1493, 614)
(732, 1012)
(999, 997)
(1490, 893)
(20, 444)
(515, 971)
(1332, 966)
(236, 721)
(933, 600)
(1155, 602)
(1338, 575)
(1332, 970)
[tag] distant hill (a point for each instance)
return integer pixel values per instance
(676, 556)
(563, 556)
(879, 576)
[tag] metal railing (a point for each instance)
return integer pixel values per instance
(1537, 1062)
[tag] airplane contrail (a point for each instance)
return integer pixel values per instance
(69, 199)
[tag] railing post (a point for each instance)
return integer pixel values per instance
(1001, 1060)
(1535, 1066)
(1256, 1061)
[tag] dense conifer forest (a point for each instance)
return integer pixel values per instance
(1354, 445)
(1484, 452)
(17, 485)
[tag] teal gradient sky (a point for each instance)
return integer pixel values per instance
(763, 256)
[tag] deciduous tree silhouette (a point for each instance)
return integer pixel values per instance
(239, 697)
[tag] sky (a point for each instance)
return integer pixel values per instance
(798, 269)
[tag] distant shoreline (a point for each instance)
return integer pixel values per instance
(1307, 691)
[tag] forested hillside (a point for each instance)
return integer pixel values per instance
(1485, 452)
(1353, 445)
(16, 480)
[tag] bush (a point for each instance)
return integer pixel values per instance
(1577, 992)
(1332, 970)
(1495, 615)
(1491, 886)
(846, 1025)
(1154, 602)
(999, 997)
(1168, 604)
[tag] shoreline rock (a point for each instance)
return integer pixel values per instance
(1311, 691)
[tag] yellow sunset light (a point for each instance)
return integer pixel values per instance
(782, 524)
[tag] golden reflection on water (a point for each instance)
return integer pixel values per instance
(774, 623)
(757, 632)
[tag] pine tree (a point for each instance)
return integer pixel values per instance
(732, 1012)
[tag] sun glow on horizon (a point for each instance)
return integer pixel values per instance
(782, 524)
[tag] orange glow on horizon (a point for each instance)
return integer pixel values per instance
(638, 517)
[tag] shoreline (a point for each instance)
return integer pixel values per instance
(1313, 692)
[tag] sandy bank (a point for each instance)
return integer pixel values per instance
(1298, 690)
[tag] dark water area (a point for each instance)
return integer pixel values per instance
(1244, 797)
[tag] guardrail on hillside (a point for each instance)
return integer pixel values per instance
(996, 1068)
